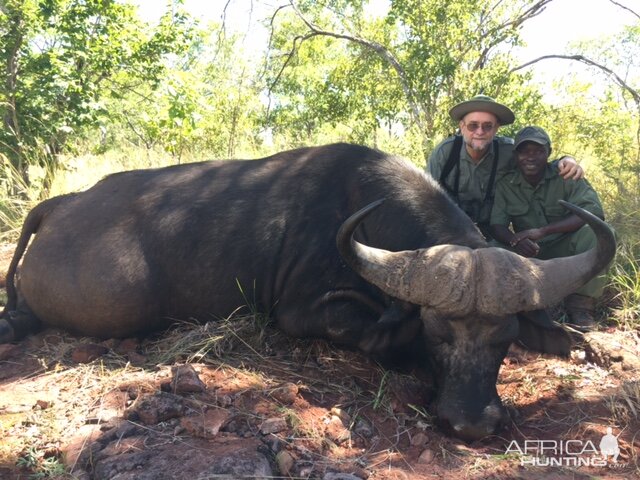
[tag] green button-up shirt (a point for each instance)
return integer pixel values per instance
(525, 206)
(474, 177)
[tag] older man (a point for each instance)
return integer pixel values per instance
(468, 165)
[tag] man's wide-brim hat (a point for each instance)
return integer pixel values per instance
(483, 103)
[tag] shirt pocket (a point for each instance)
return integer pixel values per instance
(517, 209)
(555, 212)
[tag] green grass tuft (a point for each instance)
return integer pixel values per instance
(624, 279)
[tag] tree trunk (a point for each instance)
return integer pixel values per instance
(11, 120)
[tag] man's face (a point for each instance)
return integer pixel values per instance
(478, 130)
(532, 159)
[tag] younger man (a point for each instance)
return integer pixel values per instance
(527, 199)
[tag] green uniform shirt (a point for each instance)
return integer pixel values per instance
(526, 206)
(474, 178)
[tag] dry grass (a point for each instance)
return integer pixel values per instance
(624, 405)
(57, 402)
(262, 358)
(240, 345)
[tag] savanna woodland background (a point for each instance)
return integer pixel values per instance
(89, 87)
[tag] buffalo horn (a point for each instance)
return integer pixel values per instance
(457, 280)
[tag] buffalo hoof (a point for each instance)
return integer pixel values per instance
(7, 333)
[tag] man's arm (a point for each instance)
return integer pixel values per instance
(500, 222)
(566, 225)
(579, 193)
(525, 242)
(502, 233)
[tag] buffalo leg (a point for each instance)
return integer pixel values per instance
(18, 323)
(352, 318)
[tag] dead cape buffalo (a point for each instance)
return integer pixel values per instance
(143, 247)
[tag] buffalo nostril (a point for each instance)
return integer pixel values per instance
(472, 433)
(471, 430)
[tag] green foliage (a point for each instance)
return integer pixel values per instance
(600, 128)
(363, 75)
(41, 465)
(625, 281)
(64, 59)
(207, 103)
(88, 77)
(381, 393)
(16, 198)
(171, 119)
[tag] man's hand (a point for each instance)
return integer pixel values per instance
(527, 248)
(532, 234)
(524, 242)
(569, 168)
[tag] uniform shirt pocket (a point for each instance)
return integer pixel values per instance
(517, 209)
(556, 212)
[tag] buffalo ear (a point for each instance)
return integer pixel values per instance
(539, 333)
(397, 312)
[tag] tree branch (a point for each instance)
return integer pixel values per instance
(513, 23)
(625, 8)
(378, 48)
(582, 59)
(610, 73)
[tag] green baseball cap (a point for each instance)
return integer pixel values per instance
(532, 134)
(483, 103)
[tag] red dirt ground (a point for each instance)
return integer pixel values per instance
(298, 409)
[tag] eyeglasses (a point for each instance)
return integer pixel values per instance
(485, 127)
